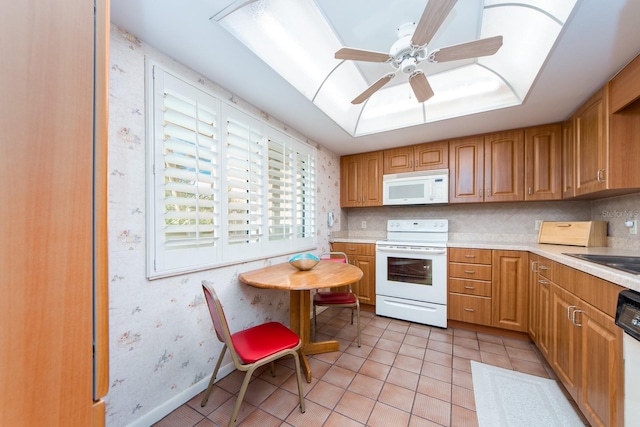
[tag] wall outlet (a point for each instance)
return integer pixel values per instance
(363, 225)
(537, 226)
(634, 229)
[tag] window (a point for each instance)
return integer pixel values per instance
(223, 186)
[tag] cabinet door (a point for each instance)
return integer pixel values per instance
(350, 181)
(466, 172)
(600, 394)
(398, 160)
(591, 144)
(565, 338)
(544, 320)
(509, 290)
(534, 299)
(504, 167)
(568, 159)
(365, 288)
(543, 168)
(371, 179)
(433, 155)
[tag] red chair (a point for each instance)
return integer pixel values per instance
(334, 298)
(251, 348)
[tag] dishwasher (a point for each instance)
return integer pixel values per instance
(628, 318)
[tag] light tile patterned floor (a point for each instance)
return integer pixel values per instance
(405, 374)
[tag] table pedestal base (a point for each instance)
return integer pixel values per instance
(299, 313)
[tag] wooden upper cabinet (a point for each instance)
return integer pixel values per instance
(428, 156)
(543, 162)
(361, 180)
(504, 166)
(568, 159)
(466, 171)
(591, 144)
(625, 86)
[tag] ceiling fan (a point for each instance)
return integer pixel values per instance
(411, 49)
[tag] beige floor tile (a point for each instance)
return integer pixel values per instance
(437, 371)
(259, 418)
(355, 406)
(416, 421)
(339, 376)
(325, 394)
(432, 409)
(416, 340)
(441, 335)
(366, 386)
(443, 359)
(184, 416)
(462, 379)
(463, 397)
(385, 416)
(489, 347)
(281, 403)
(463, 417)
(350, 362)
(435, 388)
(388, 344)
(382, 356)
(338, 420)
(403, 378)
(533, 368)
(407, 363)
(396, 396)
(411, 350)
(467, 353)
(442, 347)
(376, 370)
(524, 354)
(471, 343)
(314, 416)
(499, 360)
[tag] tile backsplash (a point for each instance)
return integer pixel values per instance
(513, 222)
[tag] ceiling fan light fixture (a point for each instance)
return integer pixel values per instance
(408, 65)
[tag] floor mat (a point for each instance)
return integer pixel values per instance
(510, 398)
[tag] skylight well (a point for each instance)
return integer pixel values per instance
(299, 40)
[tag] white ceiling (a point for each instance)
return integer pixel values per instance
(600, 38)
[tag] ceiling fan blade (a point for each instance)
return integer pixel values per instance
(420, 85)
(372, 89)
(433, 16)
(362, 55)
(482, 47)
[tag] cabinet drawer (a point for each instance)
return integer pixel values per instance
(470, 271)
(470, 256)
(354, 248)
(469, 308)
(470, 287)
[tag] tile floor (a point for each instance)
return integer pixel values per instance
(405, 374)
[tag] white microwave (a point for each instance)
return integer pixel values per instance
(416, 188)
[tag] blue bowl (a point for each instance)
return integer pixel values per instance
(304, 261)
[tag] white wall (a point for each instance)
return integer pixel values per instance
(162, 345)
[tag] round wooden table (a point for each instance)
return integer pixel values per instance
(326, 274)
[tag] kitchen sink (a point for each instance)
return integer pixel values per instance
(628, 264)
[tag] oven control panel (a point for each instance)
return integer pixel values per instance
(418, 225)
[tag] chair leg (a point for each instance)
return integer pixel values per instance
(273, 369)
(243, 390)
(352, 315)
(205, 398)
(296, 359)
(357, 321)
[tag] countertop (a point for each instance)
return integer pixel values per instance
(552, 252)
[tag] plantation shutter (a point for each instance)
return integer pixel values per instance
(187, 174)
(245, 180)
(305, 194)
(280, 188)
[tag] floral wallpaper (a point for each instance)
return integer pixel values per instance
(162, 344)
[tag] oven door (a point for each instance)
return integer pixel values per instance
(414, 273)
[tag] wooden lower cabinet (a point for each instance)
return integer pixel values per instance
(488, 288)
(586, 345)
(362, 255)
(509, 289)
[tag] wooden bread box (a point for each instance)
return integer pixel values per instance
(574, 233)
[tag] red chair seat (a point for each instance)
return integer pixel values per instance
(321, 298)
(262, 341)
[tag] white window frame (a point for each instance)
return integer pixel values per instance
(165, 257)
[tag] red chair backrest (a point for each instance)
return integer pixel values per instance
(217, 314)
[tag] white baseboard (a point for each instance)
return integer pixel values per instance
(161, 411)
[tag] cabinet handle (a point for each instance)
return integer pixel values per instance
(469, 256)
(469, 309)
(543, 282)
(530, 191)
(410, 163)
(470, 272)
(542, 267)
(569, 311)
(573, 317)
(599, 176)
(488, 191)
(470, 287)
(480, 193)
(533, 266)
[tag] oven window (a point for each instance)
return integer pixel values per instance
(408, 270)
